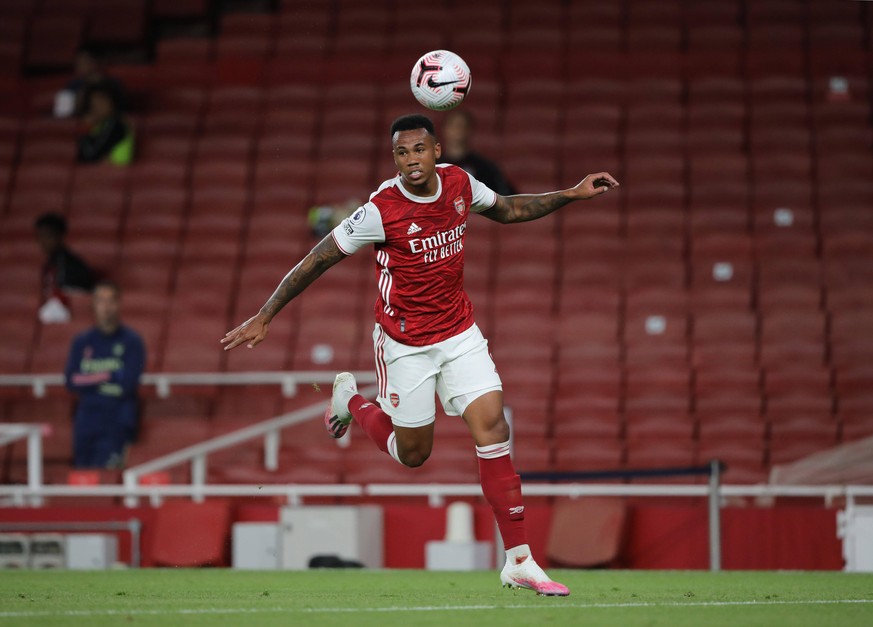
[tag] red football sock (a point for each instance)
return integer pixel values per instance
(375, 422)
(502, 489)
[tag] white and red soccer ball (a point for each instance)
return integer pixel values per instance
(440, 80)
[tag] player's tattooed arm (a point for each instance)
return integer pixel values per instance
(253, 331)
(526, 207)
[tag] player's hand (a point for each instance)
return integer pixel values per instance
(595, 184)
(251, 333)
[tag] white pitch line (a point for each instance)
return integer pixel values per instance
(558, 604)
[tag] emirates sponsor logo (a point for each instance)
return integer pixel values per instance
(423, 244)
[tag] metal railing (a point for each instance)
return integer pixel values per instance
(163, 382)
(13, 432)
(197, 454)
(438, 493)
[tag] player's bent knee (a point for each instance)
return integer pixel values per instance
(490, 429)
(413, 459)
(500, 430)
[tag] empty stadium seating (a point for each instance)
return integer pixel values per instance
(720, 304)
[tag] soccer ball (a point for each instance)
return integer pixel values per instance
(440, 80)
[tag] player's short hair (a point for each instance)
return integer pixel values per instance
(53, 222)
(108, 285)
(412, 122)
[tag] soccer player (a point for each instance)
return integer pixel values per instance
(426, 341)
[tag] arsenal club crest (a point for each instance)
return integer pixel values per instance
(460, 205)
(395, 399)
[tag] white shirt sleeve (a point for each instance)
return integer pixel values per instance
(483, 196)
(363, 227)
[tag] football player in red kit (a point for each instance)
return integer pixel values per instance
(426, 341)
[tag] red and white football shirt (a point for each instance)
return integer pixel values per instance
(419, 254)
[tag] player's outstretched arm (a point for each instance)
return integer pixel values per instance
(526, 207)
(254, 330)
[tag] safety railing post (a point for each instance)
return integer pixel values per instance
(34, 465)
(715, 515)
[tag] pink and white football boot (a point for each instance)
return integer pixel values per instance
(337, 416)
(528, 574)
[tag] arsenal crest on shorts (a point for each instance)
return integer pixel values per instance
(460, 205)
(394, 398)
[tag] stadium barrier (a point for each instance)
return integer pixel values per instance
(163, 382)
(14, 432)
(436, 494)
(197, 455)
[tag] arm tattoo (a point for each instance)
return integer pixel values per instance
(526, 207)
(323, 256)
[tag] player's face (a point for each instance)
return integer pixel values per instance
(106, 308)
(415, 155)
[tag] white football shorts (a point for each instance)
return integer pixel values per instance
(459, 370)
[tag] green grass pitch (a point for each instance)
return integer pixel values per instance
(171, 598)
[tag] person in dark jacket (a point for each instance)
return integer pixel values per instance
(106, 128)
(458, 130)
(63, 269)
(103, 370)
(90, 75)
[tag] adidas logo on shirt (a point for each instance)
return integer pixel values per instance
(413, 228)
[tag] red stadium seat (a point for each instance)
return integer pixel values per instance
(657, 300)
(721, 420)
(51, 349)
(731, 382)
(175, 545)
(648, 269)
(588, 454)
(789, 272)
(221, 147)
(767, 143)
(653, 328)
(849, 298)
(716, 91)
(706, 218)
(120, 24)
(788, 353)
(184, 50)
(792, 326)
(801, 426)
(787, 386)
(724, 327)
(666, 452)
(53, 41)
(61, 151)
(49, 177)
(718, 168)
(856, 419)
(789, 297)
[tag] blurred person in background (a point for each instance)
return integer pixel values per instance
(63, 270)
(108, 136)
(457, 138)
(73, 99)
(103, 370)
